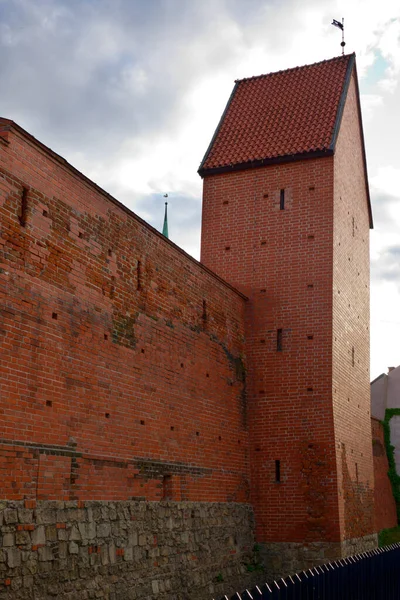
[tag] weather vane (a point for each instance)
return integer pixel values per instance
(341, 26)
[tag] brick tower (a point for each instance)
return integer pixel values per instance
(286, 218)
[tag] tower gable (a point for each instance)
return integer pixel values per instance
(285, 116)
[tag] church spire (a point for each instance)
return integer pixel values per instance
(165, 226)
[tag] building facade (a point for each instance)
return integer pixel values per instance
(286, 218)
(133, 373)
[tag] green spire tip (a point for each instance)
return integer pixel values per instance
(165, 226)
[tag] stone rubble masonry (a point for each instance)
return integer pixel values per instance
(125, 550)
(291, 557)
(130, 371)
(123, 368)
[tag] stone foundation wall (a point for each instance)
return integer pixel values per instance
(125, 550)
(282, 559)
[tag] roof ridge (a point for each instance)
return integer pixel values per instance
(298, 68)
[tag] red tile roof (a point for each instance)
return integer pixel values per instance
(279, 115)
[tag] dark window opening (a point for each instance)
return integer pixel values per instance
(138, 275)
(204, 315)
(277, 471)
(167, 487)
(24, 207)
(279, 336)
(352, 356)
(282, 200)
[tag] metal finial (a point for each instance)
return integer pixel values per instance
(165, 226)
(340, 25)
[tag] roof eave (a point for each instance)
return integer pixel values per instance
(263, 162)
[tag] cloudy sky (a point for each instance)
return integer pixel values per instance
(130, 92)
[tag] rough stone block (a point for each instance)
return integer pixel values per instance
(103, 530)
(74, 534)
(10, 516)
(51, 533)
(73, 548)
(112, 554)
(13, 558)
(39, 536)
(25, 515)
(22, 538)
(45, 553)
(8, 539)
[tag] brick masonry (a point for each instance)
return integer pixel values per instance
(385, 506)
(123, 370)
(351, 358)
(130, 550)
(305, 270)
(132, 372)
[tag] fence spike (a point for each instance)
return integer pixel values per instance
(249, 594)
(258, 590)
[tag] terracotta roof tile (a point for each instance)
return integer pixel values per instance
(285, 113)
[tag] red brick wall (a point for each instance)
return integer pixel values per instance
(385, 506)
(305, 273)
(282, 259)
(350, 375)
(110, 389)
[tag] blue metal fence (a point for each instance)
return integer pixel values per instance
(373, 575)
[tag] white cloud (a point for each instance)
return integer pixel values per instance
(131, 92)
(387, 180)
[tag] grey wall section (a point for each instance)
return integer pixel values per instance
(378, 397)
(393, 389)
(394, 425)
(385, 393)
(125, 550)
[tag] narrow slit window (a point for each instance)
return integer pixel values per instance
(139, 275)
(282, 200)
(354, 227)
(204, 315)
(167, 487)
(277, 471)
(24, 207)
(279, 339)
(352, 356)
